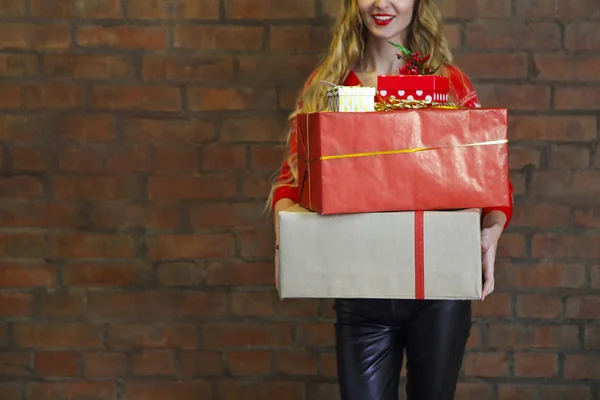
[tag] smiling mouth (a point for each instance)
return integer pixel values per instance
(382, 19)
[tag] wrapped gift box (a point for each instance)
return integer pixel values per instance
(426, 159)
(403, 255)
(428, 88)
(351, 99)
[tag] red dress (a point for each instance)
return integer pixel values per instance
(463, 93)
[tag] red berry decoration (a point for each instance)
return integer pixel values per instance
(415, 64)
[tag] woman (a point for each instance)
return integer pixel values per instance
(372, 334)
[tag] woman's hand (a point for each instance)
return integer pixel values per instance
(493, 225)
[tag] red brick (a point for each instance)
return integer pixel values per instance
(230, 99)
(582, 35)
(4, 335)
(592, 337)
(92, 245)
(474, 9)
(125, 158)
(177, 305)
(515, 97)
(566, 156)
(37, 214)
(517, 337)
(474, 341)
(106, 274)
(297, 362)
(153, 363)
(13, 8)
(125, 337)
(201, 363)
(266, 157)
(299, 38)
(29, 158)
(553, 128)
(27, 36)
(256, 186)
(513, 35)
(257, 244)
(453, 35)
(15, 364)
(587, 216)
(146, 130)
(249, 363)
(109, 306)
(330, 8)
(22, 128)
(580, 366)
(27, 276)
(288, 98)
(179, 274)
(184, 9)
(76, 9)
(104, 365)
(221, 215)
(486, 364)
(87, 66)
(539, 306)
(540, 215)
(540, 276)
(567, 184)
(584, 68)
(147, 98)
(20, 187)
(81, 159)
(546, 392)
(298, 308)
(72, 390)
(57, 363)
(257, 9)
(328, 365)
(252, 303)
(63, 305)
(188, 69)
(15, 304)
(507, 66)
(223, 157)
(536, 365)
(192, 188)
(227, 334)
(190, 246)
(230, 390)
(221, 37)
(119, 215)
(22, 245)
(176, 158)
(41, 96)
(163, 390)
(587, 307)
(566, 246)
(323, 391)
(496, 305)
(237, 273)
(552, 8)
(511, 245)
(95, 188)
(123, 37)
(67, 335)
(83, 128)
(577, 98)
(18, 65)
(316, 334)
(291, 69)
(522, 156)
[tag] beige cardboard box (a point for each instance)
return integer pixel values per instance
(375, 255)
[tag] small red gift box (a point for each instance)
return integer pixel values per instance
(426, 159)
(428, 88)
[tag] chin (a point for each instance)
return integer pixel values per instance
(386, 33)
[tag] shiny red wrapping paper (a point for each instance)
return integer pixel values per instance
(434, 159)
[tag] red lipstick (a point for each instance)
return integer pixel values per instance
(382, 19)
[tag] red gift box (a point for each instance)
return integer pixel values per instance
(426, 159)
(428, 88)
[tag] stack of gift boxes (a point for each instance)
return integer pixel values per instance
(384, 195)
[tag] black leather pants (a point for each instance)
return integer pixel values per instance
(372, 335)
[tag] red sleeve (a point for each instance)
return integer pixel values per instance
(465, 95)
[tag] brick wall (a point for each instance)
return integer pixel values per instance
(137, 138)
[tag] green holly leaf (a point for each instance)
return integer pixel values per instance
(403, 49)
